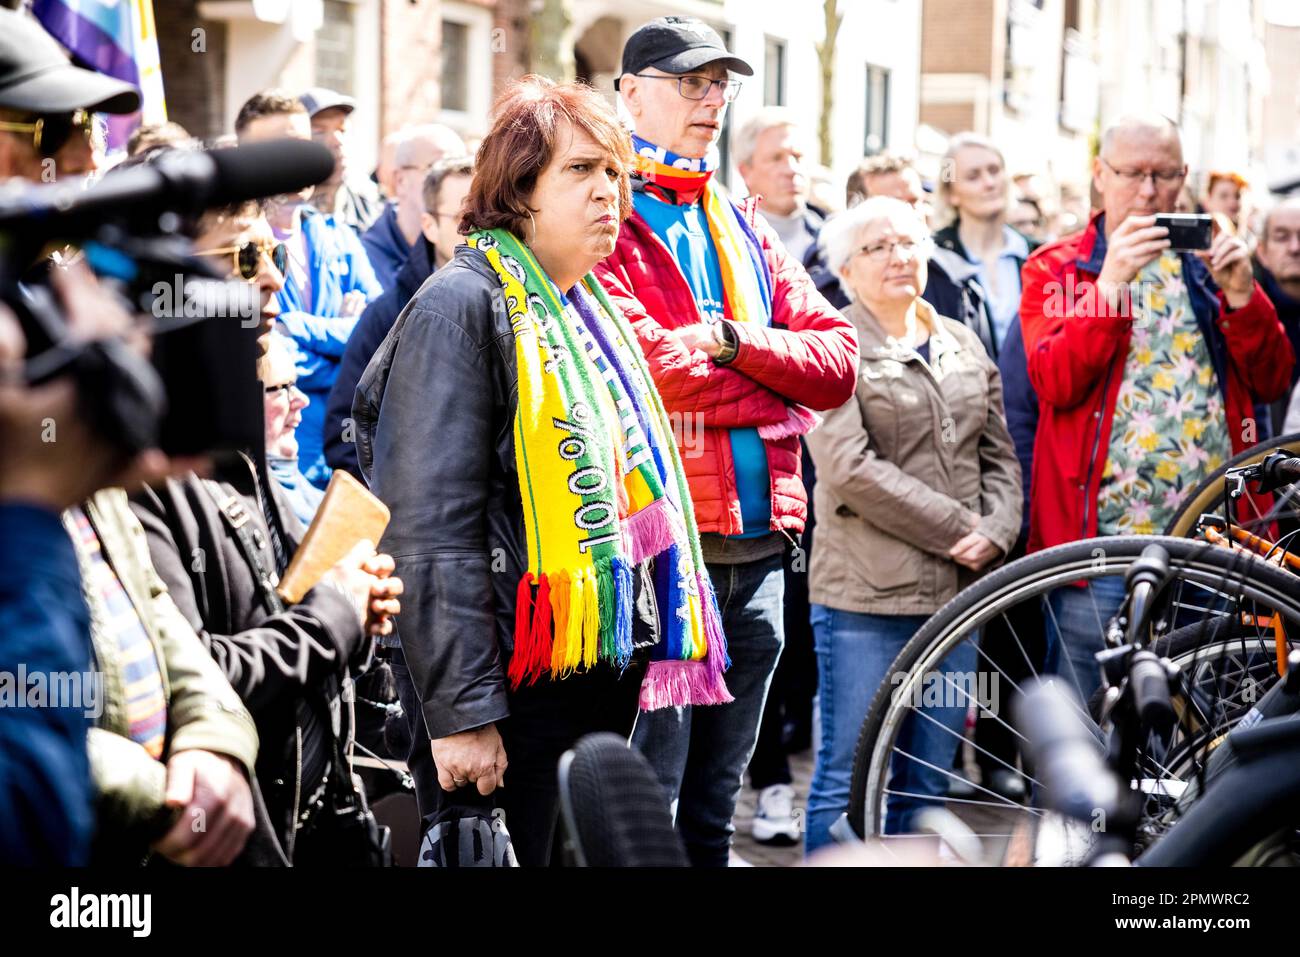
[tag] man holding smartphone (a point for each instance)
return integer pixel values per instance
(1148, 361)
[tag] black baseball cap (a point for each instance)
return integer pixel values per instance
(678, 45)
(36, 77)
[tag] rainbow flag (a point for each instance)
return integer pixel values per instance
(116, 37)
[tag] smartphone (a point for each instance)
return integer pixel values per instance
(1187, 231)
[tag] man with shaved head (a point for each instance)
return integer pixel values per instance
(388, 242)
(1277, 261)
(1148, 362)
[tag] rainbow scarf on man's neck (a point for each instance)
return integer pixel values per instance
(746, 282)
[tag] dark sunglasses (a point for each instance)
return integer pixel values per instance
(49, 133)
(248, 257)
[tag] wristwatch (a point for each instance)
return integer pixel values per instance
(725, 337)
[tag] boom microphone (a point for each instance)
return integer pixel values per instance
(185, 182)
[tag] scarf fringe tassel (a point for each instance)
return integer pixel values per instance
(674, 684)
(654, 529)
(799, 421)
(562, 629)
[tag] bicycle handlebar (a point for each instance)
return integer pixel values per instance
(1278, 468)
(1066, 754)
(1144, 580)
(1274, 470)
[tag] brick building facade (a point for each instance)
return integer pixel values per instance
(405, 61)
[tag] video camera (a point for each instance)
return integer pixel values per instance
(198, 391)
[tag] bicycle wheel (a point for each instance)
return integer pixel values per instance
(1210, 583)
(1207, 495)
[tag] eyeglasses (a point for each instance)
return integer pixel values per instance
(289, 387)
(698, 87)
(248, 257)
(50, 133)
(880, 252)
(1165, 177)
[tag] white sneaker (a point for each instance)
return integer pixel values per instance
(774, 820)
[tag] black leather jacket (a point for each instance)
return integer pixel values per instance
(435, 412)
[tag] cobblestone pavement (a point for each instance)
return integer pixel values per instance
(746, 852)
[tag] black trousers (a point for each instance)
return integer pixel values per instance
(546, 719)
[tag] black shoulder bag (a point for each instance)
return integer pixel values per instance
(344, 832)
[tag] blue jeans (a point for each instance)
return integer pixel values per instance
(855, 657)
(699, 754)
(1076, 625)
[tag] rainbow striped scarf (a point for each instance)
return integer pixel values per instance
(747, 285)
(603, 491)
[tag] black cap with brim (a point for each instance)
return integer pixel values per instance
(678, 45)
(36, 77)
(689, 60)
(69, 88)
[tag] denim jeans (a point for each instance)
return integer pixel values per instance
(855, 656)
(699, 754)
(1076, 623)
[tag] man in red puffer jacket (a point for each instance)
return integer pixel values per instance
(743, 349)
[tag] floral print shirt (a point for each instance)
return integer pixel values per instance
(1170, 430)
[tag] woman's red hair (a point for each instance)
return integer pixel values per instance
(530, 117)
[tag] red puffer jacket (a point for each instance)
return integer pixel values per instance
(1077, 345)
(808, 357)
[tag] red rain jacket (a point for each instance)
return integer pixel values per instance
(1076, 348)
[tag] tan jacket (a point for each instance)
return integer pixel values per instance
(899, 465)
(203, 711)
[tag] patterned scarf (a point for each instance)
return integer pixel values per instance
(746, 283)
(603, 491)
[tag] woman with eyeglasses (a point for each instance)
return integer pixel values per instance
(918, 493)
(283, 404)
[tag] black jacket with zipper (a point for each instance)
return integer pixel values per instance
(283, 665)
(435, 414)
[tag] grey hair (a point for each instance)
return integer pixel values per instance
(442, 138)
(1287, 202)
(746, 140)
(840, 236)
(1140, 121)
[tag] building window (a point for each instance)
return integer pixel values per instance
(876, 137)
(455, 66)
(774, 73)
(335, 44)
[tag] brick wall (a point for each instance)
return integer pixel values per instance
(957, 36)
(510, 42)
(193, 66)
(949, 117)
(410, 62)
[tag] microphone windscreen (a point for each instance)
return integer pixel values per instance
(270, 168)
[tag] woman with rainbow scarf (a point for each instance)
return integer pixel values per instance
(541, 519)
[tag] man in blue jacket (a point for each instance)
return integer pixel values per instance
(396, 232)
(444, 191)
(328, 283)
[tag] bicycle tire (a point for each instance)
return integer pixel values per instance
(1207, 495)
(1003, 589)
